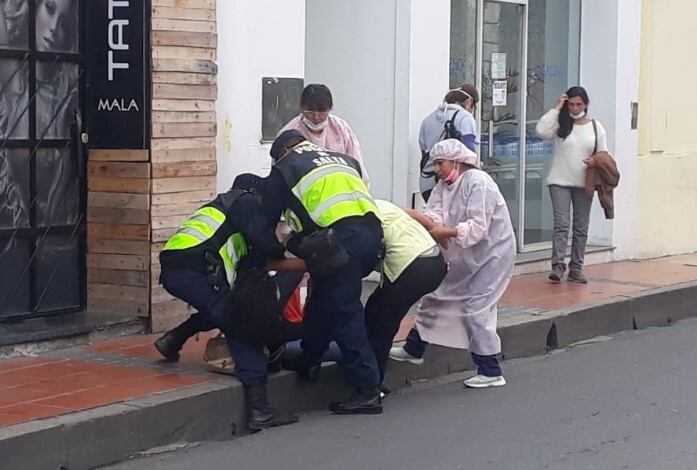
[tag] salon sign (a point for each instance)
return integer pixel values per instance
(117, 74)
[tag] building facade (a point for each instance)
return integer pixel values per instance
(667, 163)
(107, 140)
(113, 132)
(389, 64)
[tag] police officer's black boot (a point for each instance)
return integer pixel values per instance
(261, 415)
(361, 402)
(274, 362)
(171, 342)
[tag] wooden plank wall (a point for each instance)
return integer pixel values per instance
(118, 232)
(183, 156)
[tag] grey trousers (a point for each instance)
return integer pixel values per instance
(563, 198)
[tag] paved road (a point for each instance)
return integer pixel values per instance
(627, 402)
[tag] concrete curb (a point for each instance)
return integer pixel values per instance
(215, 411)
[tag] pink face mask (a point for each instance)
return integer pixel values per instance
(452, 177)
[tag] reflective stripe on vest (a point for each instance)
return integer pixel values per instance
(232, 252)
(333, 192)
(198, 228)
(293, 221)
(313, 176)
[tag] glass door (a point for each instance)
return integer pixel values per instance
(521, 54)
(553, 57)
(502, 82)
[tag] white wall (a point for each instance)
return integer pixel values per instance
(387, 65)
(610, 51)
(350, 47)
(429, 72)
(626, 139)
(255, 39)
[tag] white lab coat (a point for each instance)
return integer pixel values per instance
(461, 313)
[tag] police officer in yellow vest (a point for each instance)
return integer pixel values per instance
(340, 238)
(199, 264)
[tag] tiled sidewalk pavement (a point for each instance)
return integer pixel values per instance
(116, 370)
(86, 377)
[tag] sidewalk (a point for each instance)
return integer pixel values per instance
(88, 389)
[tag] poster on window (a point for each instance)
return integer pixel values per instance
(55, 91)
(14, 24)
(498, 66)
(499, 96)
(117, 74)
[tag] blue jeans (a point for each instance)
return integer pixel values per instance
(193, 288)
(332, 354)
(486, 365)
(334, 310)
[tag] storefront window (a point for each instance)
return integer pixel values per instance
(463, 42)
(41, 210)
(510, 150)
(554, 35)
(553, 66)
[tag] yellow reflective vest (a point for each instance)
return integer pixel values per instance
(208, 230)
(327, 187)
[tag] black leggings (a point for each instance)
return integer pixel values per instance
(387, 306)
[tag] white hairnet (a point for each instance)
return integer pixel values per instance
(453, 149)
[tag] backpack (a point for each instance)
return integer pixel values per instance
(449, 132)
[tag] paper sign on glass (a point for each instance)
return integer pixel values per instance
(498, 66)
(499, 95)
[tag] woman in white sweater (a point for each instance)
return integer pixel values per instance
(574, 142)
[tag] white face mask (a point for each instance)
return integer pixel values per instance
(577, 116)
(315, 127)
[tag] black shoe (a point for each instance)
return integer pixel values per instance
(169, 345)
(259, 421)
(359, 403)
(261, 415)
(274, 362)
(384, 390)
(171, 342)
(305, 373)
(310, 374)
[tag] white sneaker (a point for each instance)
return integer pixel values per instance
(482, 381)
(399, 354)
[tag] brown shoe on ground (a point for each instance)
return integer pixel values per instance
(577, 276)
(556, 273)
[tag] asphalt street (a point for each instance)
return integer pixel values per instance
(626, 402)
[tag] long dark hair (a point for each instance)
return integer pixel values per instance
(566, 122)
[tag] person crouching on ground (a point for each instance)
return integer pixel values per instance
(468, 217)
(200, 265)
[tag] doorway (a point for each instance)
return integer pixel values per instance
(521, 54)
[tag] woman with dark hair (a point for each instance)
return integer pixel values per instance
(316, 123)
(576, 137)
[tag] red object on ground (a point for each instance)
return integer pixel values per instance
(294, 310)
